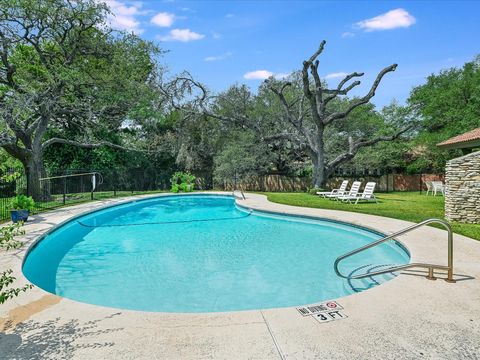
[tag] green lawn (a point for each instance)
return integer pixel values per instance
(410, 206)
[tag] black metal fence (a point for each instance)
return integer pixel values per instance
(76, 186)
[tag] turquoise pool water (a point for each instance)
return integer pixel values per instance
(201, 253)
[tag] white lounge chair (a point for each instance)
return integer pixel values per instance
(367, 194)
(340, 191)
(429, 187)
(438, 186)
(353, 191)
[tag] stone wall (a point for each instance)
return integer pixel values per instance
(462, 197)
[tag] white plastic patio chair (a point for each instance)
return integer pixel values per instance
(438, 186)
(352, 193)
(367, 194)
(340, 191)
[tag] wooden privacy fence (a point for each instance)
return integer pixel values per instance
(391, 182)
(275, 183)
(385, 183)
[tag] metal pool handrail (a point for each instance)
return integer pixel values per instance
(430, 267)
(241, 192)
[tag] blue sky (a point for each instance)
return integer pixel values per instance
(226, 42)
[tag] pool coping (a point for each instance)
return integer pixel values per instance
(282, 332)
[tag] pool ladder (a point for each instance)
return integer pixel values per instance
(430, 267)
(241, 192)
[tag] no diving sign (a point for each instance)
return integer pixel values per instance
(319, 308)
(323, 312)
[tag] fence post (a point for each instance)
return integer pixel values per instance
(64, 190)
(114, 180)
(29, 191)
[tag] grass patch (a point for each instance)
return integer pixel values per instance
(409, 206)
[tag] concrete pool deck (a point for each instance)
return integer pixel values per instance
(408, 317)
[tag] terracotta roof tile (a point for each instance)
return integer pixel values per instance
(466, 137)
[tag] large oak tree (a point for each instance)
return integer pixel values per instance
(303, 111)
(61, 68)
(311, 116)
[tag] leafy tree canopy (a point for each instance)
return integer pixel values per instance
(448, 105)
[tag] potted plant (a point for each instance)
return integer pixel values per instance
(20, 208)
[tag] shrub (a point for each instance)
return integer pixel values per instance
(6, 279)
(22, 202)
(9, 177)
(7, 236)
(183, 181)
(8, 242)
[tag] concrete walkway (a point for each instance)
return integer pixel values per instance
(406, 318)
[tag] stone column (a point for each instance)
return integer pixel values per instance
(462, 197)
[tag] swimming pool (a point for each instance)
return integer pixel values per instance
(202, 253)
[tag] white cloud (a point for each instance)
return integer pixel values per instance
(124, 17)
(163, 19)
(348, 34)
(184, 35)
(258, 75)
(219, 57)
(336, 75)
(263, 74)
(398, 18)
(229, 16)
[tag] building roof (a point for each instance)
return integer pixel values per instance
(467, 140)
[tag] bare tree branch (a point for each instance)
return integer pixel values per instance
(355, 146)
(339, 90)
(318, 91)
(185, 84)
(284, 102)
(296, 122)
(316, 53)
(52, 141)
(306, 82)
(363, 100)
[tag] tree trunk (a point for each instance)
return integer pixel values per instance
(318, 160)
(319, 177)
(35, 170)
